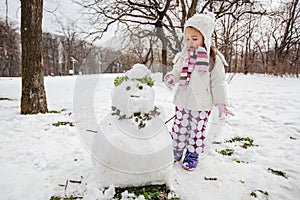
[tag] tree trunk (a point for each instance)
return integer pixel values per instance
(33, 98)
(289, 26)
(160, 34)
(164, 57)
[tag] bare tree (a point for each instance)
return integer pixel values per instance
(165, 20)
(152, 33)
(288, 37)
(289, 40)
(234, 30)
(162, 19)
(6, 12)
(73, 46)
(33, 98)
(283, 40)
(9, 50)
(51, 53)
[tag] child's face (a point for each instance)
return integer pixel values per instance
(193, 38)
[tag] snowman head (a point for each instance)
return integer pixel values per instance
(133, 93)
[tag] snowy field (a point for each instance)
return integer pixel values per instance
(39, 160)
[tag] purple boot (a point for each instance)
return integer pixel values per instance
(190, 161)
(177, 155)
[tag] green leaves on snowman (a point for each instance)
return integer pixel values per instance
(146, 80)
(139, 118)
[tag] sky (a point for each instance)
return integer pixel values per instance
(65, 10)
(57, 13)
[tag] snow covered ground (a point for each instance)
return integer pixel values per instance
(39, 160)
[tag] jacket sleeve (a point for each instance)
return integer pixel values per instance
(218, 84)
(177, 67)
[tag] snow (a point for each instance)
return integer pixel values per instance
(138, 71)
(38, 159)
(128, 98)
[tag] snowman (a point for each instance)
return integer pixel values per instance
(133, 146)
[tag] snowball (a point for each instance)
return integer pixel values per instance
(110, 192)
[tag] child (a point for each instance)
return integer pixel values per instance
(199, 69)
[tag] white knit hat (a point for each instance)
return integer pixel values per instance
(205, 23)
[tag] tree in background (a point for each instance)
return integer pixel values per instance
(287, 38)
(254, 36)
(73, 47)
(51, 54)
(33, 98)
(165, 20)
(9, 50)
(148, 18)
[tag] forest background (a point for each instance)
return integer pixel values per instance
(255, 36)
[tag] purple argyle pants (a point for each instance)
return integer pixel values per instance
(188, 130)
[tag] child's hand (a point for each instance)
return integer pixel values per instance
(222, 109)
(170, 82)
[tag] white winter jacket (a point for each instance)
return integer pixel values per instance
(204, 90)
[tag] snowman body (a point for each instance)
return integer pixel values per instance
(133, 146)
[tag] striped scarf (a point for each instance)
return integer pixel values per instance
(197, 59)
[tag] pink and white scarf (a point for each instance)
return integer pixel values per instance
(197, 59)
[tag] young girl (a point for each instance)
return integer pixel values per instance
(199, 70)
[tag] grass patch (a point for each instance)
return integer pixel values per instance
(54, 111)
(5, 99)
(240, 161)
(255, 193)
(57, 111)
(216, 142)
(65, 198)
(277, 172)
(225, 152)
(63, 124)
(246, 142)
(210, 178)
(153, 192)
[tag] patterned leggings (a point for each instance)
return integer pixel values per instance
(189, 130)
